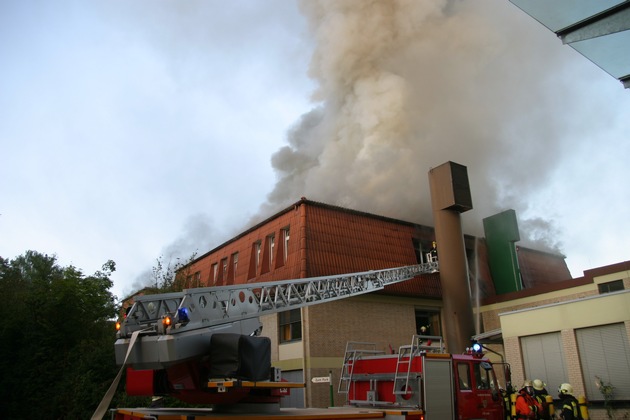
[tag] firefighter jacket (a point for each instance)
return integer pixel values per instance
(526, 406)
(541, 397)
(569, 407)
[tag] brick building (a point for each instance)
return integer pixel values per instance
(311, 239)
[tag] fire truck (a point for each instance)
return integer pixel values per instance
(204, 346)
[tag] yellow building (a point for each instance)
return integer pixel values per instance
(574, 331)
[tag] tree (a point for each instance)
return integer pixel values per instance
(56, 341)
(171, 277)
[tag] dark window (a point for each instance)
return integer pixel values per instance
(417, 249)
(290, 325)
(463, 375)
(427, 322)
(611, 286)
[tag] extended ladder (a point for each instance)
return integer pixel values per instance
(208, 306)
(236, 309)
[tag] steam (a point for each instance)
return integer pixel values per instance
(403, 86)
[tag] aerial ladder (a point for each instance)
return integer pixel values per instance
(174, 327)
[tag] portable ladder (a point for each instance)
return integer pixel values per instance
(354, 351)
(406, 354)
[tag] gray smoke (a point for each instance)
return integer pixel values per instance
(403, 86)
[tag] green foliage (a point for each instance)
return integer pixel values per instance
(56, 341)
(173, 277)
(608, 392)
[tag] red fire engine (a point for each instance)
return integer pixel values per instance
(203, 346)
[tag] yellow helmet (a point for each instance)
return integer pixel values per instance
(539, 385)
(527, 383)
(565, 389)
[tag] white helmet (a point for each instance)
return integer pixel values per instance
(565, 389)
(539, 385)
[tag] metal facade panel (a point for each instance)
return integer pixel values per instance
(501, 232)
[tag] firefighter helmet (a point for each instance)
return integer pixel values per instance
(565, 389)
(527, 387)
(539, 385)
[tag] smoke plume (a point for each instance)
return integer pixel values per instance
(403, 86)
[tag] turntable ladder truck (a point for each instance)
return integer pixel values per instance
(202, 346)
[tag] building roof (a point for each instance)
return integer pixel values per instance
(538, 268)
(341, 240)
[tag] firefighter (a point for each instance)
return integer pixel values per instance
(569, 406)
(433, 257)
(541, 394)
(526, 405)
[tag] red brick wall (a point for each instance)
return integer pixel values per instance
(244, 245)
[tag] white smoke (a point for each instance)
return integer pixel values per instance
(407, 85)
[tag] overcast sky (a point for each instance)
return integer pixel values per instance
(131, 130)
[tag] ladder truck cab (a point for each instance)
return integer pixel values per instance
(423, 376)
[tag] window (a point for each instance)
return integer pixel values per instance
(290, 325)
(463, 375)
(214, 272)
(605, 353)
(285, 242)
(222, 272)
(197, 281)
(233, 265)
(611, 286)
(254, 261)
(417, 249)
(544, 359)
(430, 320)
(258, 250)
(482, 377)
(272, 243)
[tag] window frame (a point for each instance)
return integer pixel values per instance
(290, 321)
(610, 287)
(286, 235)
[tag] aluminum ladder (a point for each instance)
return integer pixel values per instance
(419, 344)
(354, 351)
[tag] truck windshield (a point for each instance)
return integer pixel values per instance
(483, 378)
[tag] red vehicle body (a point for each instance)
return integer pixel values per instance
(442, 385)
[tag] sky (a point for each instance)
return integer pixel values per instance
(146, 129)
